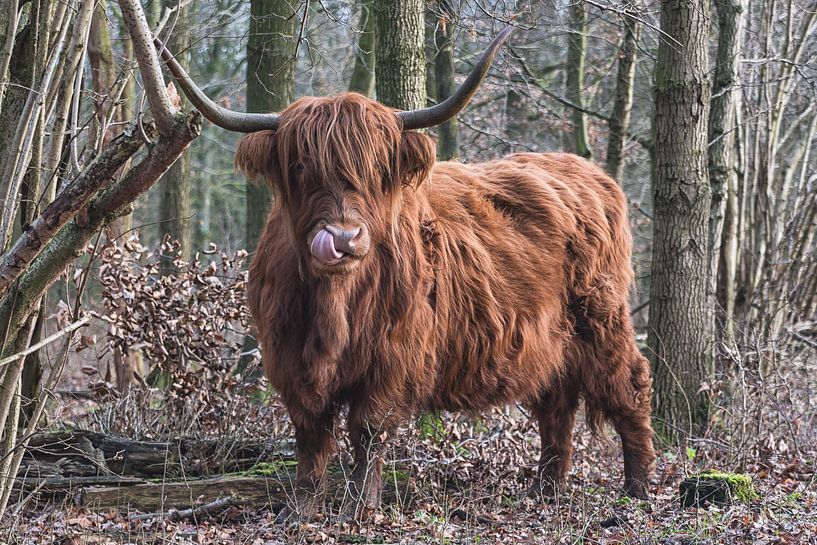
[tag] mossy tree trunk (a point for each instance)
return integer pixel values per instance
(363, 74)
(400, 53)
(270, 84)
(681, 333)
(448, 133)
(175, 208)
(576, 142)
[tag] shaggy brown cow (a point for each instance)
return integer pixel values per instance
(392, 284)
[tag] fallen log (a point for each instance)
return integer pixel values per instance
(271, 490)
(81, 453)
(107, 472)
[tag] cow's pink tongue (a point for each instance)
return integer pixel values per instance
(323, 248)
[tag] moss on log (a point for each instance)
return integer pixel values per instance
(157, 476)
(716, 487)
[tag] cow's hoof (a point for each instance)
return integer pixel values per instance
(636, 489)
(544, 489)
(287, 516)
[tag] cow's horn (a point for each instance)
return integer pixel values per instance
(224, 118)
(445, 110)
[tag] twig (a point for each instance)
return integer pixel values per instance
(48, 340)
(175, 516)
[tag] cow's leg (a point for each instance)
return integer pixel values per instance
(630, 412)
(366, 431)
(314, 444)
(618, 383)
(556, 413)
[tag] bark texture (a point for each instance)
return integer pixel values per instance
(680, 335)
(448, 133)
(270, 84)
(576, 46)
(400, 57)
(619, 121)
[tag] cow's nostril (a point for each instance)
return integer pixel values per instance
(345, 239)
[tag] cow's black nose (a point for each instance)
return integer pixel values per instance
(345, 239)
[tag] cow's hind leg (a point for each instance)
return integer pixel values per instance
(556, 413)
(621, 388)
(631, 418)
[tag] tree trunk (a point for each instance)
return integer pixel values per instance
(362, 80)
(400, 57)
(270, 85)
(680, 334)
(448, 133)
(623, 102)
(21, 78)
(722, 173)
(175, 208)
(576, 142)
(103, 79)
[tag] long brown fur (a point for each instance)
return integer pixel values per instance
(484, 284)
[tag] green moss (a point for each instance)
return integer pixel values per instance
(623, 501)
(740, 484)
(392, 474)
(269, 469)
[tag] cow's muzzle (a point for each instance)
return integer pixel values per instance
(334, 243)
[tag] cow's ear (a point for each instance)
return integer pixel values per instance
(417, 156)
(257, 158)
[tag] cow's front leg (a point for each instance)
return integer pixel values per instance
(368, 433)
(314, 444)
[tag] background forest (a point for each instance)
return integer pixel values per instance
(123, 318)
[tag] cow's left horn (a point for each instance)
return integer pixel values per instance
(445, 110)
(224, 118)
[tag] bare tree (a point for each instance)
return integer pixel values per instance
(270, 84)
(363, 74)
(577, 140)
(401, 59)
(722, 172)
(444, 31)
(174, 207)
(619, 121)
(680, 336)
(91, 197)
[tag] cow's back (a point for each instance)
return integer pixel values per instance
(514, 243)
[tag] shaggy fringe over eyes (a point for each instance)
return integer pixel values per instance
(353, 140)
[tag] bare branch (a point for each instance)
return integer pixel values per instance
(146, 56)
(82, 322)
(109, 204)
(73, 198)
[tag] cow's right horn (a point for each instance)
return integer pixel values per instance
(445, 110)
(224, 118)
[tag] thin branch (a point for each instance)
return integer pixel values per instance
(145, 53)
(82, 322)
(74, 197)
(8, 50)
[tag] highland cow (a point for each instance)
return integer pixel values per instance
(392, 284)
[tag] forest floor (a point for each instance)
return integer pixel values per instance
(468, 486)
